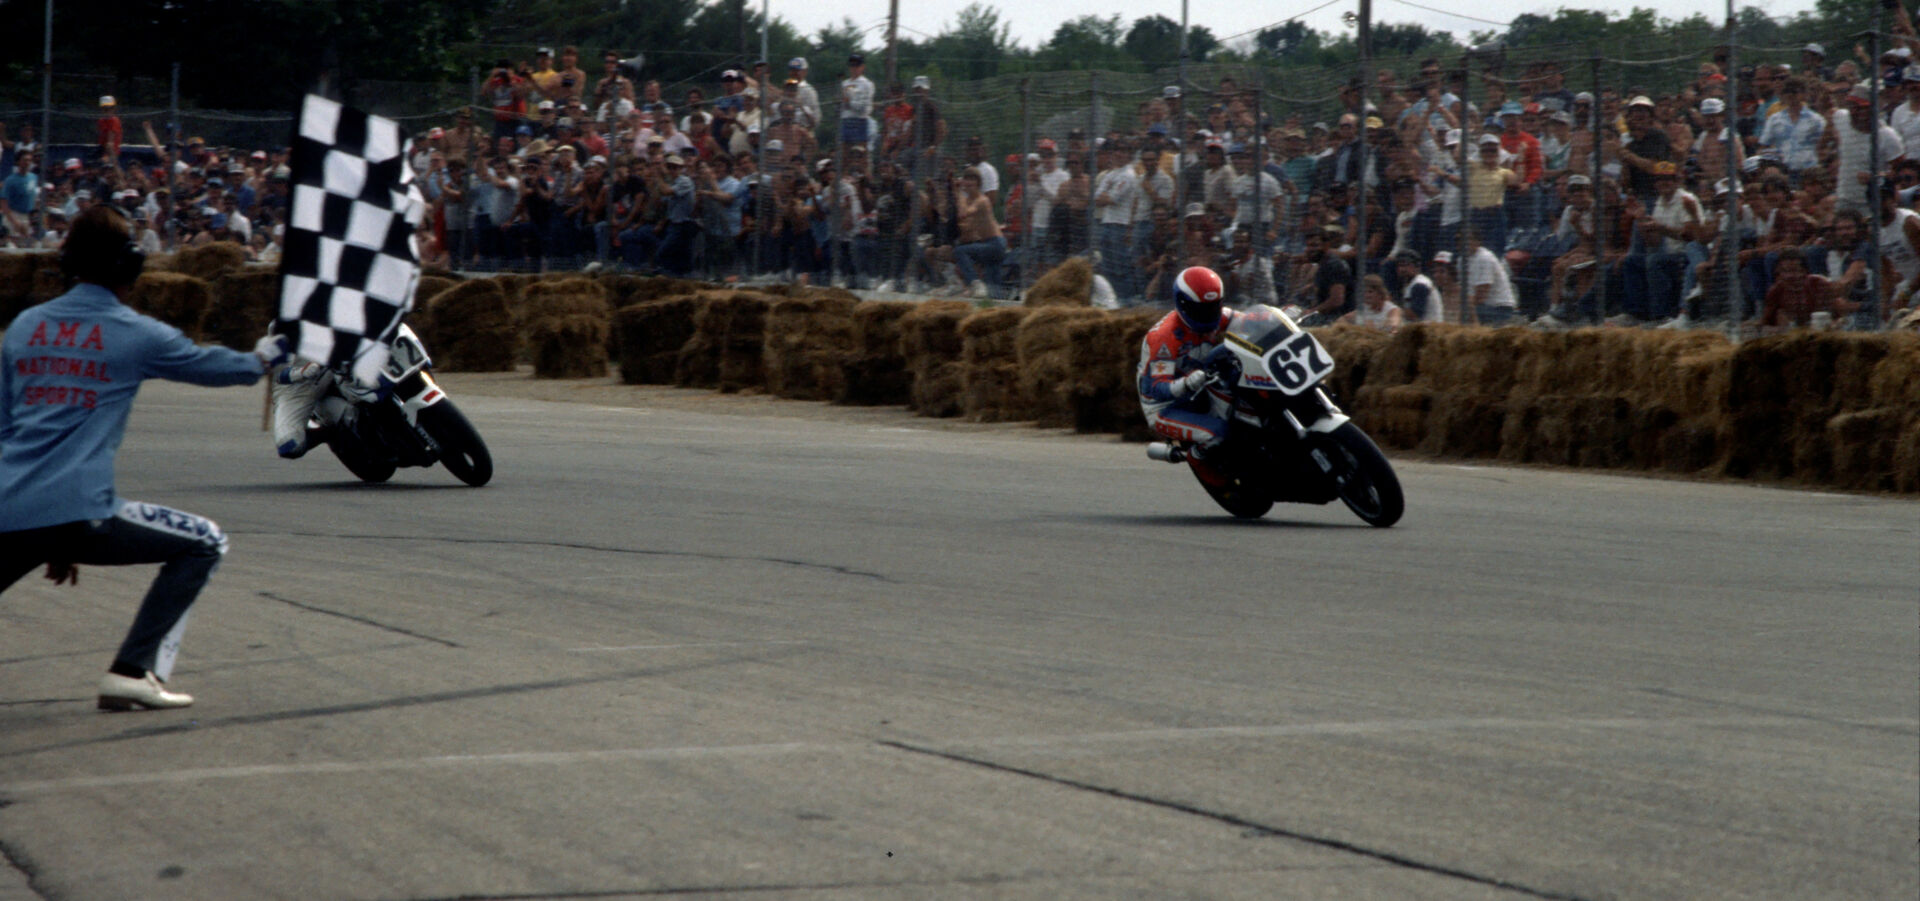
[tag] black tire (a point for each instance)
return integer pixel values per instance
(1237, 497)
(1367, 485)
(461, 449)
(357, 457)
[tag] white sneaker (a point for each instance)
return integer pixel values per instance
(884, 287)
(1624, 320)
(126, 693)
(1551, 321)
(979, 289)
(1676, 323)
(296, 388)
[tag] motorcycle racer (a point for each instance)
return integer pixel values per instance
(1180, 356)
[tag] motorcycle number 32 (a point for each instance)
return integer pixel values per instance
(1299, 363)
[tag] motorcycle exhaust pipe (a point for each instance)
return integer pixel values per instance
(1165, 453)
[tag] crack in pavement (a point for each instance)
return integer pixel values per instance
(358, 619)
(465, 694)
(579, 546)
(1243, 823)
(19, 863)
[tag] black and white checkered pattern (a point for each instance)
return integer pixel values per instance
(350, 265)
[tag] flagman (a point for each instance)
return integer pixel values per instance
(69, 370)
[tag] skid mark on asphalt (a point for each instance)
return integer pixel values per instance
(358, 619)
(575, 546)
(466, 694)
(1243, 823)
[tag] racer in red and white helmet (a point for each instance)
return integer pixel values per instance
(1175, 357)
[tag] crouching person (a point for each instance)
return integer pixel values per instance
(69, 370)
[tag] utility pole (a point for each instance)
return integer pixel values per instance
(893, 33)
(740, 24)
(1366, 165)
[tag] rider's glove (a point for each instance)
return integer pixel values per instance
(1192, 383)
(273, 351)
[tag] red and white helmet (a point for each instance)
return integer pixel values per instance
(1197, 295)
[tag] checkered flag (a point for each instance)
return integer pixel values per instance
(349, 266)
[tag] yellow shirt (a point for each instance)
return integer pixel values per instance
(1488, 185)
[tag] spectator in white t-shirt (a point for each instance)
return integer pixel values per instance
(1490, 299)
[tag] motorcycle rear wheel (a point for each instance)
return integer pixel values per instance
(461, 448)
(1369, 487)
(1236, 497)
(357, 457)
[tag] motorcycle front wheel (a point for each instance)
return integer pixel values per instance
(461, 449)
(1366, 481)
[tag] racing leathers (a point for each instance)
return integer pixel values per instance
(1172, 381)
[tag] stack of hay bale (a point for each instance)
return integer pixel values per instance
(566, 324)
(728, 343)
(930, 339)
(809, 341)
(473, 328)
(990, 365)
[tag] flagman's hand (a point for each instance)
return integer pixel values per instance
(273, 351)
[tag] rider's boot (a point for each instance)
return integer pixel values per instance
(296, 388)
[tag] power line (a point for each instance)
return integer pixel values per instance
(1448, 12)
(1280, 22)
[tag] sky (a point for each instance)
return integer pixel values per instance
(1033, 21)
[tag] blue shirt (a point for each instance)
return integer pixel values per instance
(69, 370)
(22, 191)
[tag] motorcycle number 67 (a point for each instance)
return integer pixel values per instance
(1299, 363)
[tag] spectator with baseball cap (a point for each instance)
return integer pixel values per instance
(804, 92)
(856, 103)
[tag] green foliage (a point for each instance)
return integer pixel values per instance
(1087, 42)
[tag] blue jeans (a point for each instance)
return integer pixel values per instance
(637, 247)
(1115, 262)
(1491, 223)
(1492, 315)
(980, 261)
(1652, 283)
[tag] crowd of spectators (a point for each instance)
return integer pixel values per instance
(1500, 196)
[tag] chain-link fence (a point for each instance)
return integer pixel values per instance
(1560, 184)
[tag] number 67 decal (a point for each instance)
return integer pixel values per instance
(1300, 363)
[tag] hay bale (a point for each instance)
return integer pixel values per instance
(475, 328)
(243, 306)
(1470, 361)
(1465, 425)
(1896, 379)
(876, 371)
(931, 344)
(513, 287)
(989, 352)
(1050, 348)
(728, 343)
(568, 346)
(808, 343)
(1906, 457)
(1394, 415)
(16, 284)
(420, 317)
(1103, 363)
(177, 300)
(560, 298)
(210, 261)
(1863, 445)
(650, 335)
(1398, 363)
(1068, 284)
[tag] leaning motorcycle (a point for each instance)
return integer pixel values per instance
(404, 419)
(1286, 439)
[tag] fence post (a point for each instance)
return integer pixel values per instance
(1600, 219)
(1029, 254)
(1465, 153)
(173, 153)
(1093, 175)
(1873, 170)
(1730, 211)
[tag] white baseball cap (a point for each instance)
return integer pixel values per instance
(1713, 106)
(922, 81)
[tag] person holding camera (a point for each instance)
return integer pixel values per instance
(69, 370)
(507, 91)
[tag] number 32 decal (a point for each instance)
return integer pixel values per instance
(1300, 363)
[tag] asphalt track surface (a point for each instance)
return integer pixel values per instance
(743, 653)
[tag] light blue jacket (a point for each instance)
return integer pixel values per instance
(69, 370)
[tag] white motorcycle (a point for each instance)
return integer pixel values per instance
(405, 419)
(1286, 439)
